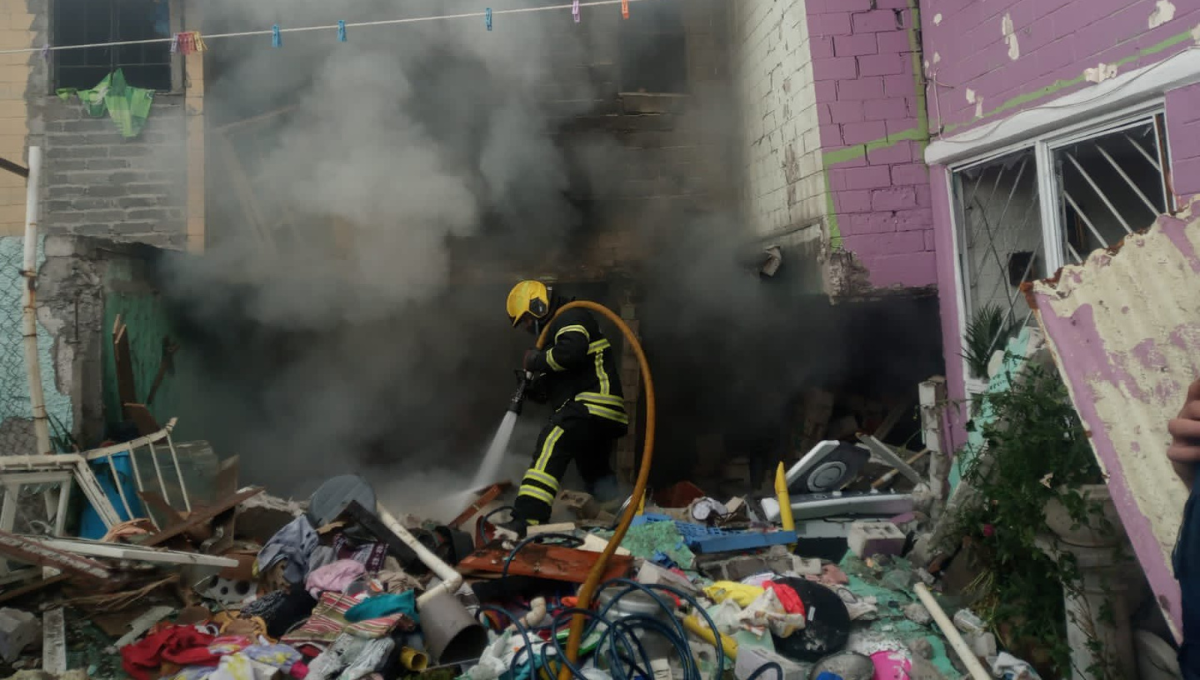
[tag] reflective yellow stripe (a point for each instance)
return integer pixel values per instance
(574, 328)
(601, 374)
(541, 478)
(607, 413)
(602, 399)
(598, 346)
(535, 492)
(550, 360)
(548, 449)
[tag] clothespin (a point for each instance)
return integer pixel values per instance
(276, 36)
(575, 10)
(624, 9)
(175, 43)
(46, 51)
(198, 42)
(487, 18)
(341, 31)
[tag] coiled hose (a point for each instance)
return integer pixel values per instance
(591, 585)
(621, 640)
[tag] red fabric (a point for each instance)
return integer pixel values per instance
(171, 644)
(788, 597)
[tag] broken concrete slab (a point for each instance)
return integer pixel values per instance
(18, 630)
(875, 538)
(720, 567)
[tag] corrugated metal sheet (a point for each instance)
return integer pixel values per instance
(1125, 330)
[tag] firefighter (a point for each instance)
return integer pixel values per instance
(577, 374)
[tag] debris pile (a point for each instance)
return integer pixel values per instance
(251, 586)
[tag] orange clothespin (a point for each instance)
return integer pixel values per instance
(624, 9)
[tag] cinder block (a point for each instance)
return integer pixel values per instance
(880, 65)
(862, 88)
(893, 42)
(862, 133)
(750, 659)
(855, 45)
(875, 538)
(837, 68)
(874, 21)
(894, 198)
(18, 630)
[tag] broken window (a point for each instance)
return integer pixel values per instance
(1109, 185)
(86, 22)
(1023, 215)
(653, 49)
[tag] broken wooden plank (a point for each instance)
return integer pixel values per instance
(202, 517)
(369, 521)
(123, 358)
(33, 552)
(31, 588)
(486, 496)
(885, 452)
(142, 418)
(142, 624)
(54, 642)
(892, 473)
(116, 551)
(551, 562)
(154, 501)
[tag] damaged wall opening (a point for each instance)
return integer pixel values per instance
(1021, 216)
(83, 22)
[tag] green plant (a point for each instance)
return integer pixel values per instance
(1036, 451)
(983, 337)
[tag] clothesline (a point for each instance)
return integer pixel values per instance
(333, 27)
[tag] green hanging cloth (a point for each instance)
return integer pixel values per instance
(129, 107)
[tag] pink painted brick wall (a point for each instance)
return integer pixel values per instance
(866, 95)
(1183, 139)
(1056, 40)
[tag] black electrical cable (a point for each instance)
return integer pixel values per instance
(768, 666)
(571, 539)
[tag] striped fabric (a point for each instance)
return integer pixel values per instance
(328, 621)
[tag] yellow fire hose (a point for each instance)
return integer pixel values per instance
(588, 591)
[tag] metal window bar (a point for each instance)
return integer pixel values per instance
(1145, 154)
(1099, 192)
(1115, 156)
(131, 447)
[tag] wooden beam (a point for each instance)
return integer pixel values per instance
(202, 517)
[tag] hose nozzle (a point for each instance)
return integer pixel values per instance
(518, 398)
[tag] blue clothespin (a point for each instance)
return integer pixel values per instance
(341, 31)
(487, 18)
(575, 10)
(276, 37)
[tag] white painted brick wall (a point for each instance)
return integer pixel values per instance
(774, 83)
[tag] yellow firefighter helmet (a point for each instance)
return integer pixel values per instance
(528, 297)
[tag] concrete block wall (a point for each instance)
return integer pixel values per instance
(873, 132)
(99, 184)
(16, 32)
(782, 180)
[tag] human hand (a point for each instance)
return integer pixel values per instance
(1184, 450)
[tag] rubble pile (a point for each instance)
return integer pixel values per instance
(255, 587)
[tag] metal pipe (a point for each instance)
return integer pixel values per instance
(162, 485)
(187, 502)
(451, 579)
(1153, 209)
(1103, 197)
(1145, 154)
(33, 369)
(964, 651)
(120, 488)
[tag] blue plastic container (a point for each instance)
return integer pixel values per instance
(90, 525)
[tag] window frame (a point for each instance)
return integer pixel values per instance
(176, 21)
(1043, 145)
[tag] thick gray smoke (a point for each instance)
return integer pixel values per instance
(328, 357)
